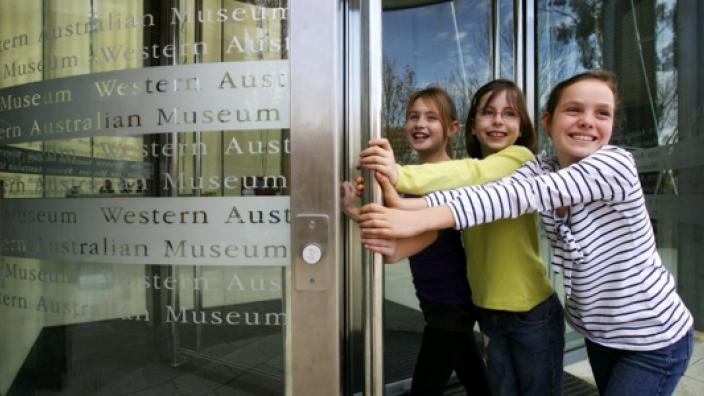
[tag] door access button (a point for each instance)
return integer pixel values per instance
(312, 253)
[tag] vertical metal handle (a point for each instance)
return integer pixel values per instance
(374, 326)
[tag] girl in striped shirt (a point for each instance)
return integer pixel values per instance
(617, 293)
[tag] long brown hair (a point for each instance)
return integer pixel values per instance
(514, 96)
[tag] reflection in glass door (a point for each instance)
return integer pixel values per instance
(238, 312)
(199, 176)
(458, 46)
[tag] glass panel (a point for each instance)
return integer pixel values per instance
(185, 287)
(446, 44)
(429, 43)
(506, 36)
(642, 43)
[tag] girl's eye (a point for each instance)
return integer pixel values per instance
(510, 113)
(487, 112)
(605, 113)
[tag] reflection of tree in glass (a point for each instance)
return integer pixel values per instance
(578, 29)
(640, 45)
(581, 24)
(571, 42)
(666, 103)
(461, 88)
(397, 89)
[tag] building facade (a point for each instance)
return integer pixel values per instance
(169, 176)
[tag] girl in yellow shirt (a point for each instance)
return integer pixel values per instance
(519, 312)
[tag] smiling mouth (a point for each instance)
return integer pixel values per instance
(583, 138)
(420, 135)
(497, 134)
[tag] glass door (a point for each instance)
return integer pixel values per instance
(458, 46)
(169, 197)
(169, 188)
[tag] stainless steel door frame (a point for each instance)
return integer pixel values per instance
(315, 331)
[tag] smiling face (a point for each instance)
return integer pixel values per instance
(425, 131)
(496, 124)
(582, 120)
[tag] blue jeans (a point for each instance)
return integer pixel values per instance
(525, 350)
(641, 373)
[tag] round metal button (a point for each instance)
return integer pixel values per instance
(312, 253)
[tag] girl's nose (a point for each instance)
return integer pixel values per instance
(586, 120)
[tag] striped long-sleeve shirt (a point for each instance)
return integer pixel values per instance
(617, 292)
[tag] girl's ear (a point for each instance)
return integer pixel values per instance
(453, 129)
(545, 123)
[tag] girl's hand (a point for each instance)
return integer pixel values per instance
(395, 250)
(359, 186)
(379, 157)
(348, 194)
(393, 200)
(391, 197)
(386, 247)
(377, 221)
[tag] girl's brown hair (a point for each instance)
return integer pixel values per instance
(514, 96)
(604, 76)
(438, 98)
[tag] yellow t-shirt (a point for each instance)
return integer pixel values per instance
(503, 258)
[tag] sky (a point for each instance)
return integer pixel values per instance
(427, 40)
